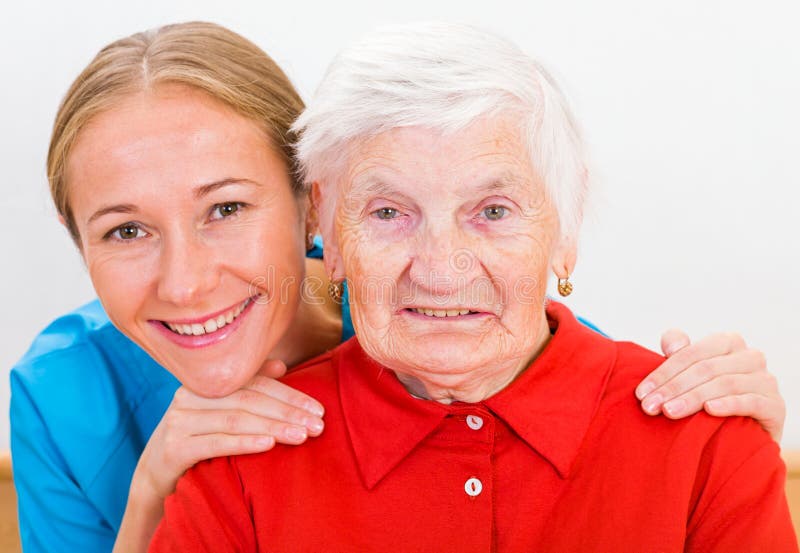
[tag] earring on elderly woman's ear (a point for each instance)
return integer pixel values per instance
(309, 241)
(564, 286)
(336, 290)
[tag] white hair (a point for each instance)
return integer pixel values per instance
(442, 76)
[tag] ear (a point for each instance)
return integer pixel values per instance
(312, 218)
(564, 257)
(323, 199)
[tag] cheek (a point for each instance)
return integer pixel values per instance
(119, 277)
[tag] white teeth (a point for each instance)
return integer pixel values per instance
(441, 312)
(211, 325)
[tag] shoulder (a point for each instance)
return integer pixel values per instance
(695, 435)
(86, 388)
(318, 376)
(77, 344)
(632, 363)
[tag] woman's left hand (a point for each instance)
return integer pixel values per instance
(719, 374)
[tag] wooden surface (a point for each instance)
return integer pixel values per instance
(792, 459)
(9, 537)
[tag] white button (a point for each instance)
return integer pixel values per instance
(473, 487)
(474, 422)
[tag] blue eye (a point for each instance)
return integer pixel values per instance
(225, 210)
(386, 213)
(494, 212)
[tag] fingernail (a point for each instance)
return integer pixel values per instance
(314, 425)
(652, 404)
(315, 409)
(644, 389)
(675, 408)
(264, 441)
(295, 433)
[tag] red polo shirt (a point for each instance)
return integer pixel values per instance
(561, 460)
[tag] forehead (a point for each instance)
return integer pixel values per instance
(172, 134)
(488, 146)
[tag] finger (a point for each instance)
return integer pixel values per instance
(273, 368)
(725, 385)
(703, 372)
(208, 446)
(286, 394)
(237, 422)
(673, 340)
(768, 412)
(262, 405)
(707, 348)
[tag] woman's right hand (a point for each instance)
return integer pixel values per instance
(195, 428)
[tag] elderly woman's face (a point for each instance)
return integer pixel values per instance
(191, 233)
(446, 242)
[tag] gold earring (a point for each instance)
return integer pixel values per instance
(309, 242)
(564, 286)
(336, 291)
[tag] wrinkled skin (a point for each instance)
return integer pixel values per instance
(460, 222)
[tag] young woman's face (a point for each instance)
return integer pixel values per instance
(192, 235)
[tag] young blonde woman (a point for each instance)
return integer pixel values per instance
(171, 167)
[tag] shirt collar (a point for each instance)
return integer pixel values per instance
(550, 405)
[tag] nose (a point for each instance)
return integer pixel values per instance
(444, 262)
(188, 270)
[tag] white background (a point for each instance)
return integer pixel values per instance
(690, 109)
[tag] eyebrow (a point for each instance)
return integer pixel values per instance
(206, 189)
(120, 208)
(199, 192)
(507, 181)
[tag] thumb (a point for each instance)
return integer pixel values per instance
(674, 340)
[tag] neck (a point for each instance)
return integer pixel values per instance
(317, 324)
(474, 386)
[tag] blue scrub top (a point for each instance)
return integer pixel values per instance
(84, 401)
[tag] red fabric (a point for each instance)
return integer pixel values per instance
(567, 461)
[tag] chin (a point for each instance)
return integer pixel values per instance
(213, 380)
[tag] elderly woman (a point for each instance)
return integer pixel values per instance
(170, 165)
(469, 414)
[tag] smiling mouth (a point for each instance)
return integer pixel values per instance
(210, 326)
(441, 313)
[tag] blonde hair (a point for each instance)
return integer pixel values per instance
(205, 56)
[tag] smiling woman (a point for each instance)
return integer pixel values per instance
(165, 190)
(170, 165)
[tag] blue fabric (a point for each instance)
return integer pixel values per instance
(84, 401)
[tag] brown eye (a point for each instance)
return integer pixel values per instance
(494, 212)
(127, 232)
(226, 210)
